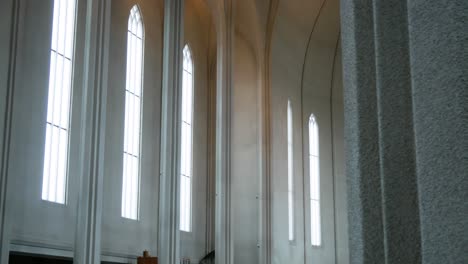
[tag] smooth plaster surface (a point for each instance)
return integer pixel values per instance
(26, 210)
(142, 234)
(198, 35)
(317, 75)
(306, 68)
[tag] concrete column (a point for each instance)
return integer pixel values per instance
(169, 240)
(438, 34)
(88, 231)
(266, 141)
(396, 140)
(362, 133)
(406, 105)
(223, 229)
(9, 15)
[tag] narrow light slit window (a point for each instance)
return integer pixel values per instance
(290, 172)
(133, 106)
(55, 169)
(314, 166)
(186, 143)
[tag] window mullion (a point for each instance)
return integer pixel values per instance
(133, 126)
(186, 135)
(314, 161)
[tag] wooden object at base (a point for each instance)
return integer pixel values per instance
(147, 259)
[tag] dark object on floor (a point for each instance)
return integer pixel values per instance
(208, 259)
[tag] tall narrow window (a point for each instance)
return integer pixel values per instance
(54, 181)
(132, 128)
(314, 166)
(290, 173)
(186, 143)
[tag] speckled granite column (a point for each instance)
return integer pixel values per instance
(406, 105)
(396, 135)
(438, 32)
(361, 133)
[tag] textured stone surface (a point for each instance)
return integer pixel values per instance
(406, 106)
(438, 33)
(361, 133)
(396, 139)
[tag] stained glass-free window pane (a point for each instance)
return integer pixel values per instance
(132, 127)
(54, 179)
(290, 173)
(314, 167)
(186, 142)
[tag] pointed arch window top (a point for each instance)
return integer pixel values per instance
(135, 22)
(186, 161)
(313, 135)
(312, 119)
(187, 63)
(133, 113)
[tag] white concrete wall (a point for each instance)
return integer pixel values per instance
(245, 163)
(198, 33)
(31, 221)
(36, 226)
(317, 86)
(123, 237)
(340, 190)
(306, 68)
(318, 90)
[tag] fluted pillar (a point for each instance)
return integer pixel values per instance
(169, 240)
(406, 107)
(223, 218)
(92, 142)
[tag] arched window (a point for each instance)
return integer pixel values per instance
(290, 173)
(133, 106)
(186, 143)
(54, 181)
(314, 166)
